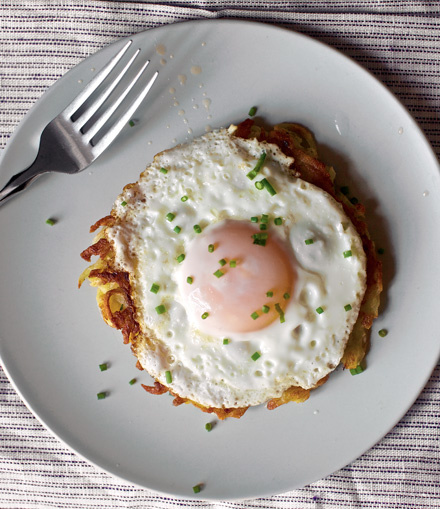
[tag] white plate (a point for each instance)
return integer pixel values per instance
(52, 335)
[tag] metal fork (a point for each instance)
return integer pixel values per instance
(64, 147)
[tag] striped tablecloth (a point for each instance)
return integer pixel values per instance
(399, 42)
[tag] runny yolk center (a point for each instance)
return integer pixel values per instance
(227, 298)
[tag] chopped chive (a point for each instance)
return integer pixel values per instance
(184, 198)
(205, 315)
(103, 367)
(264, 218)
(170, 216)
(189, 280)
(222, 262)
(132, 381)
(269, 294)
(259, 185)
(319, 310)
(268, 186)
(197, 228)
(154, 288)
(263, 226)
(226, 341)
(254, 315)
(254, 219)
(122, 307)
(383, 333)
(308, 242)
(260, 236)
(131, 123)
(50, 221)
(354, 200)
(255, 356)
(286, 296)
(211, 248)
(280, 312)
(253, 173)
(252, 111)
(123, 203)
(347, 254)
(357, 370)
(160, 310)
(101, 395)
(180, 258)
(164, 171)
(208, 426)
(348, 307)
(278, 221)
(233, 263)
(260, 242)
(381, 250)
(168, 377)
(345, 190)
(265, 309)
(177, 229)
(197, 488)
(219, 273)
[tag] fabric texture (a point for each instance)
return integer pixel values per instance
(398, 41)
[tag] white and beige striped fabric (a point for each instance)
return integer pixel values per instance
(399, 42)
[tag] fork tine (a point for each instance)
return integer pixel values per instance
(93, 108)
(94, 129)
(94, 84)
(117, 127)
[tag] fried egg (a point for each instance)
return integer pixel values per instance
(246, 281)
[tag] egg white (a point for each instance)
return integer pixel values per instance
(211, 171)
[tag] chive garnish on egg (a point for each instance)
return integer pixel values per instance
(184, 198)
(177, 229)
(211, 248)
(253, 173)
(103, 367)
(233, 263)
(189, 280)
(164, 171)
(278, 221)
(101, 395)
(319, 310)
(168, 377)
(347, 307)
(252, 111)
(205, 315)
(160, 310)
(197, 228)
(308, 242)
(280, 312)
(170, 216)
(254, 315)
(180, 258)
(219, 273)
(347, 254)
(154, 288)
(255, 356)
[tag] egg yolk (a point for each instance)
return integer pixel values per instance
(232, 284)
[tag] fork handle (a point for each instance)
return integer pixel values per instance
(20, 181)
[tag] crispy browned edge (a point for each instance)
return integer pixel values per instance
(295, 141)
